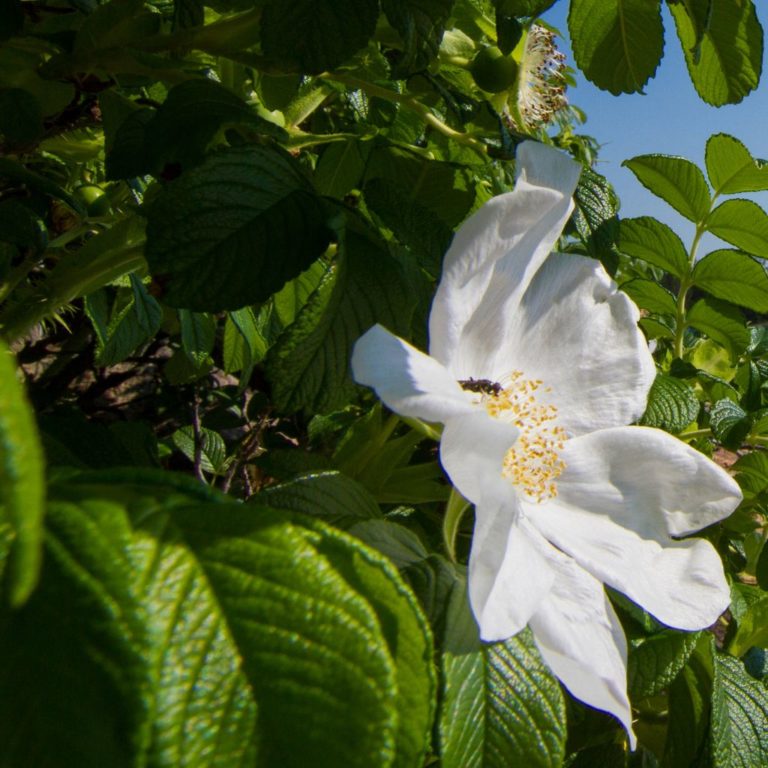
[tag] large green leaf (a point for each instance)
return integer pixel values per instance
(177, 621)
(595, 215)
(735, 277)
(672, 404)
(741, 223)
(233, 230)
(617, 43)
(676, 180)
(22, 486)
(648, 239)
(739, 716)
(752, 628)
(309, 365)
(732, 168)
(723, 46)
(501, 706)
(317, 34)
(730, 423)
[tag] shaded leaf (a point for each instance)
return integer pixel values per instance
(232, 231)
(721, 322)
(22, 486)
(657, 661)
(317, 34)
(730, 422)
(651, 296)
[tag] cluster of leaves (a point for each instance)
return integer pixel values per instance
(229, 194)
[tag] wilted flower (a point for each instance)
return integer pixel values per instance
(536, 365)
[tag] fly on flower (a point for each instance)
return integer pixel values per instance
(535, 367)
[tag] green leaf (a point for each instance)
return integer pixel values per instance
(14, 171)
(501, 706)
(524, 7)
(115, 24)
(420, 24)
(22, 486)
(21, 226)
(741, 223)
(723, 46)
(244, 345)
(752, 629)
(690, 696)
(332, 496)
(761, 570)
(651, 296)
(595, 215)
(648, 239)
(309, 365)
(732, 168)
(184, 125)
(657, 661)
(730, 422)
(183, 639)
(721, 322)
(672, 404)
(232, 231)
(739, 715)
(676, 180)
(198, 334)
(317, 35)
(735, 277)
(617, 43)
(213, 451)
(340, 168)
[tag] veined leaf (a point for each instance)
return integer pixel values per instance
(734, 277)
(232, 231)
(648, 239)
(732, 168)
(309, 364)
(655, 663)
(213, 450)
(676, 180)
(317, 34)
(739, 714)
(672, 404)
(22, 486)
(501, 706)
(617, 43)
(741, 223)
(730, 422)
(723, 46)
(752, 629)
(185, 640)
(198, 334)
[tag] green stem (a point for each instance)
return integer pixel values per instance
(685, 284)
(695, 433)
(454, 512)
(409, 103)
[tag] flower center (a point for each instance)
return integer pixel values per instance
(533, 463)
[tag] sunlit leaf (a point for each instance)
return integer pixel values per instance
(732, 168)
(617, 43)
(676, 180)
(649, 239)
(735, 277)
(742, 223)
(672, 404)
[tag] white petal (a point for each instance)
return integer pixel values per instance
(507, 574)
(623, 495)
(408, 381)
(578, 333)
(581, 639)
(495, 254)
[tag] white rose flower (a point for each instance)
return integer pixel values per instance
(536, 365)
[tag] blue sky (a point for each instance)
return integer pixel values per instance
(669, 119)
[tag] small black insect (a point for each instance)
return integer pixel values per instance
(483, 386)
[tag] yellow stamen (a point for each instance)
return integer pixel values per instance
(533, 463)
